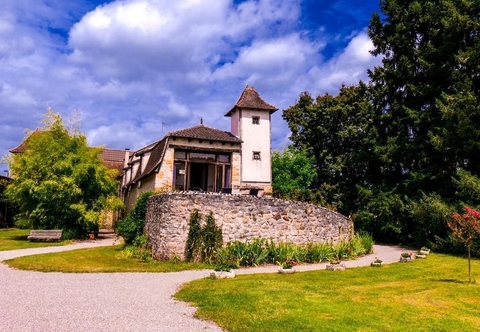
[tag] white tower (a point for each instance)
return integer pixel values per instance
(251, 122)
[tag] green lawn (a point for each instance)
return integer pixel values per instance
(101, 259)
(425, 295)
(12, 239)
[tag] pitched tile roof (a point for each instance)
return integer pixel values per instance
(156, 158)
(21, 148)
(207, 133)
(157, 149)
(113, 158)
(251, 99)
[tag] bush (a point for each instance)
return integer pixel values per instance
(194, 239)
(139, 249)
(225, 260)
(212, 239)
(202, 243)
(132, 226)
(319, 252)
(365, 241)
(261, 251)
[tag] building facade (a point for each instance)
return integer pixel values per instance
(206, 159)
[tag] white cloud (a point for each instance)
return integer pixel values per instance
(130, 65)
(348, 67)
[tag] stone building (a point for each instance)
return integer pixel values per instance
(206, 159)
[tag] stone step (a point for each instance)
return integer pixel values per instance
(106, 233)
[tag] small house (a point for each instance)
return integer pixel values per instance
(202, 158)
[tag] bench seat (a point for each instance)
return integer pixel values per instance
(45, 235)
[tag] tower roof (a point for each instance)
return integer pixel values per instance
(251, 99)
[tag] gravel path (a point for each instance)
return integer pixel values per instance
(37, 301)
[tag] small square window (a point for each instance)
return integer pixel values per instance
(255, 120)
(256, 155)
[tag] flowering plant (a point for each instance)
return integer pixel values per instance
(406, 255)
(289, 263)
(465, 228)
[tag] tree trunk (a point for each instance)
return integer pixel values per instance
(469, 269)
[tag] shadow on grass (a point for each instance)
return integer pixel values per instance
(455, 281)
(19, 238)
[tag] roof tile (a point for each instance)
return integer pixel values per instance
(207, 133)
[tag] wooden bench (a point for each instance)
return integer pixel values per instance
(45, 235)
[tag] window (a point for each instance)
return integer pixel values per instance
(255, 120)
(256, 155)
(202, 156)
(224, 158)
(180, 154)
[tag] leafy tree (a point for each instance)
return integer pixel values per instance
(426, 97)
(339, 133)
(293, 173)
(59, 182)
(465, 228)
(407, 143)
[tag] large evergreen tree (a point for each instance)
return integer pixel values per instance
(425, 93)
(59, 182)
(426, 97)
(402, 152)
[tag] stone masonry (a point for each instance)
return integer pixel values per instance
(241, 217)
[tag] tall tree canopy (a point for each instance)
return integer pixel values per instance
(336, 132)
(293, 173)
(402, 152)
(59, 182)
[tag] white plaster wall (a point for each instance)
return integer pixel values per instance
(234, 123)
(147, 184)
(255, 138)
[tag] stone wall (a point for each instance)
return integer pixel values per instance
(241, 217)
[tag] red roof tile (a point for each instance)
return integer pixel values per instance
(112, 158)
(251, 99)
(21, 148)
(156, 158)
(207, 133)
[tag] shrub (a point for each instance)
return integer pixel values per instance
(225, 260)
(194, 239)
(212, 239)
(258, 252)
(132, 226)
(202, 243)
(366, 241)
(240, 252)
(319, 252)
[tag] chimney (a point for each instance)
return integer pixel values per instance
(201, 121)
(127, 157)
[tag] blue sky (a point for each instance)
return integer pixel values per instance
(127, 66)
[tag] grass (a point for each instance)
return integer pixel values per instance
(424, 295)
(101, 259)
(12, 239)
